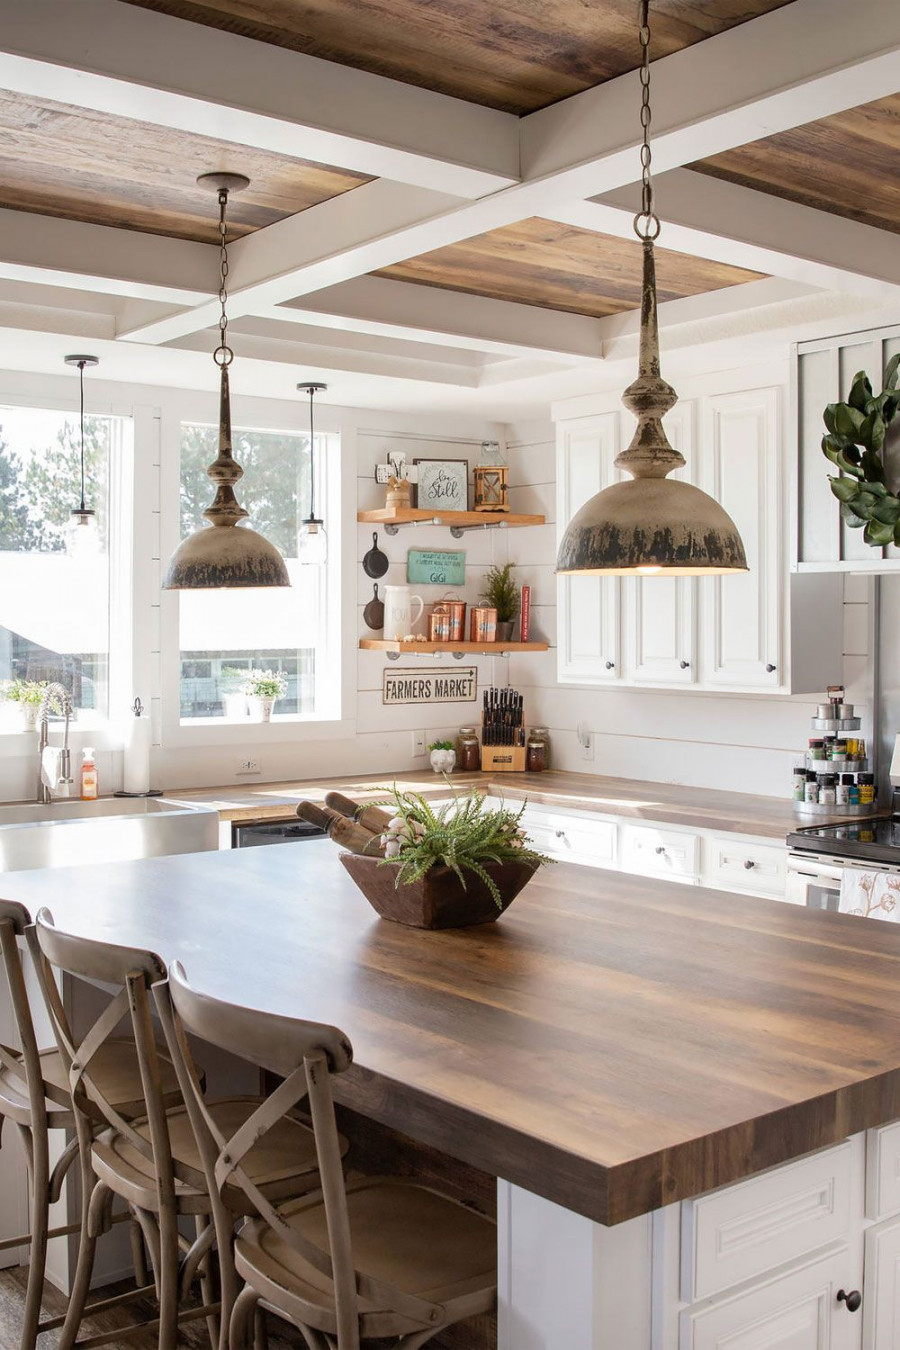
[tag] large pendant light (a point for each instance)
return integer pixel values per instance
(313, 546)
(82, 534)
(650, 524)
(224, 554)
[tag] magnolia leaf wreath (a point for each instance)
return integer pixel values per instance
(855, 444)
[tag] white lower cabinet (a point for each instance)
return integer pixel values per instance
(881, 1309)
(657, 851)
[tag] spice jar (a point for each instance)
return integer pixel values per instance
(842, 791)
(811, 795)
(799, 791)
(537, 750)
(468, 750)
(866, 783)
(827, 790)
(816, 747)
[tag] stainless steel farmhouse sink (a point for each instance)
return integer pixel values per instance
(113, 829)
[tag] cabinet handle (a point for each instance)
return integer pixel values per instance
(684, 664)
(853, 1300)
(560, 834)
(610, 665)
(770, 668)
(749, 863)
(660, 848)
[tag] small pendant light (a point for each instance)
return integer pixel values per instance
(650, 524)
(313, 546)
(224, 554)
(82, 534)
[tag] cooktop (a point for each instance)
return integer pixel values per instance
(877, 838)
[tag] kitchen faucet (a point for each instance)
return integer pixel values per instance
(56, 699)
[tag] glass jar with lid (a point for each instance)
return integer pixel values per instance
(537, 750)
(468, 750)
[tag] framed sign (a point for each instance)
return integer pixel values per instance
(432, 568)
(442, 484)
(433, 686)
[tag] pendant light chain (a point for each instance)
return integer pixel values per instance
(81, 377)
(646, 222)
(312, 460)
(223, 355)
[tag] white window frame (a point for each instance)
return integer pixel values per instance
(336, 682)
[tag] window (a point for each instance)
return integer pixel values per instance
(224, 635)
(54, 610)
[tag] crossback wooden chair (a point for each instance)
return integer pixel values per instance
(153, 1163)
(357, 1260)
(34, 1097)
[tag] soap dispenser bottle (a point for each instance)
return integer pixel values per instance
(90, 787)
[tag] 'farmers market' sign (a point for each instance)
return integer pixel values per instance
(435, 686)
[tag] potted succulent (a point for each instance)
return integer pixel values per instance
(234, 699)
(28, 695)
(859, 440)
(502, 594)
(442, 756)
(263, 688)
(446, 866)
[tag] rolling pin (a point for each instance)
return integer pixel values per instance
(340, 830)
(374, 818)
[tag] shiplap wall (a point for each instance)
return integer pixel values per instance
(742, 742)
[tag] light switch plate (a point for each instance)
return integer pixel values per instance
(418, 743)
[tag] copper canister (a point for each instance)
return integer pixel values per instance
(439, 624)
(483, 624)
(457, 611)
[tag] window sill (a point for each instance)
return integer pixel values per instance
(210, 731)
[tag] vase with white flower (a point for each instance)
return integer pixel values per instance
(263, 688)
(27, 695)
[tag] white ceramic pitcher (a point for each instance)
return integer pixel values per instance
(398, 616)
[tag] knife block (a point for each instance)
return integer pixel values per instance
(503, 759)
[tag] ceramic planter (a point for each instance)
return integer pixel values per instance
(261, 708)
(505, 630)
(443, 761)
(29, 713)
(439, 899)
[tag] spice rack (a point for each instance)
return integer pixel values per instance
(822, 763)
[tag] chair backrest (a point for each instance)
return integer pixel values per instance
(306, 1054)
(22, 1063)
(131, 972)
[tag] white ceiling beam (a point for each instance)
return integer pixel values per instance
(131, 62)
(710, 218)
(85, 257)
(381, 307)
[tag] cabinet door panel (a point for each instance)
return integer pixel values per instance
(881, 1315)
(743, 615)
(588, 650)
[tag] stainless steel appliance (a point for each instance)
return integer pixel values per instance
(273, 832)
(820, 854)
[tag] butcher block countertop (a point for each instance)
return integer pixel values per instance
(694, 808)
(613, 1043)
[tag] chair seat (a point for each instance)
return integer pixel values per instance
(405, 1235)
(282, 1164)
(116, 1069)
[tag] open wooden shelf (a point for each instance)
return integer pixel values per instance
(401, 648)
(455, 519)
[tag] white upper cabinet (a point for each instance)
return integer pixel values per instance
(765, 631)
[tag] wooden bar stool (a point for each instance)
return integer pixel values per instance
(358, 1260)
(153, 1163)
(34, 1097)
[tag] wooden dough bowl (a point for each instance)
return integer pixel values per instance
(438, 900)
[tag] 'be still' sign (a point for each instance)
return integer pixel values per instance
(411, 686)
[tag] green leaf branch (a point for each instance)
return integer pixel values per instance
(854, 442)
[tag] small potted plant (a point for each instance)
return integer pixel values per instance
(27, 694)
(502, 594)
(446, 866)
(263, 688)
(231, 682)
(443, 756)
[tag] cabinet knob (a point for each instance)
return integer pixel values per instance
(749, 863)
(560, 834)
(660, 848)
(770, 668)
(853, 1300)
(610, 665)
(684, 664)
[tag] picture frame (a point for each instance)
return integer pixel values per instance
(442, 484)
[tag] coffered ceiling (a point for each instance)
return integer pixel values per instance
(848, 164)
(556, 266)
(516, 55)
(60, 160)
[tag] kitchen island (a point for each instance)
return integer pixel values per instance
(613, 1046)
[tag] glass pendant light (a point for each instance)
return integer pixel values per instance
(650, 524)
(82, 534)
(313, 544)
(224, 554)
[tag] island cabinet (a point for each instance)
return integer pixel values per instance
(766, 631)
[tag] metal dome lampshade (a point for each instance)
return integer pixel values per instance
(224, 554)
(650, 524)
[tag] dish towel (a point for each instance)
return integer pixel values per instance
(872, 895)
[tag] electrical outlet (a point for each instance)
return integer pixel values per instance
(248, 766)
(585, 740)
(418, 743)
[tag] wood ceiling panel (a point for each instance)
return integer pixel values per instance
(540, 262)
(84, 165)
(848, 164)
(516, 55)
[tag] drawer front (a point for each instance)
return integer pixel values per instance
(800, 1311)
(660, 852)
(744, 1231)
(883, 1172)
(572, 838)
(740, 864)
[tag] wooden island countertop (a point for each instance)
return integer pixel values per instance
(614, 1043)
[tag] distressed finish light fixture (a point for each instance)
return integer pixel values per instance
(82, 535)
(224, 554)
(313, 544)
(650, 524)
